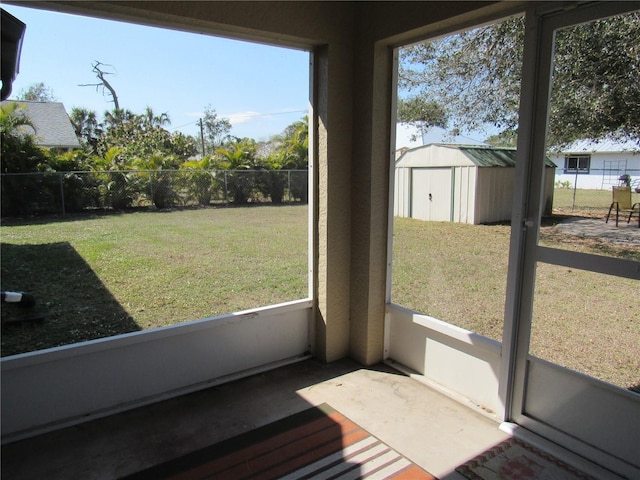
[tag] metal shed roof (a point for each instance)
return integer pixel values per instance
(478, 155)
(491, 157)
(495, 156)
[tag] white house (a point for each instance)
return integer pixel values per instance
(460, 183)
(590, 164)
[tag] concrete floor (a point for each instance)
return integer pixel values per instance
(430, 429)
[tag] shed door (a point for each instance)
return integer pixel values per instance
(431, 194)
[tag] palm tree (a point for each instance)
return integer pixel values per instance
(295, 142)
(117, 188)
(110, 160)
(118, 116)
(19, 154)
(11, 118)
(149, 119)
(239, 155)
(199, 179)
(273, 181)
(294, 146)
(159, 183)
(86, 126)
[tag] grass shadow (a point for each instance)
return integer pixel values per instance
(65, 315)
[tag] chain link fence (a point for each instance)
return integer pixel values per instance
(25, 194)
(66, 192)
(591, 193)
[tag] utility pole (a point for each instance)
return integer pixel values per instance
(201, 136)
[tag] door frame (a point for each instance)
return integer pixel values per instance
(525, 253)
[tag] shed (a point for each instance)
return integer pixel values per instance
(460, 183)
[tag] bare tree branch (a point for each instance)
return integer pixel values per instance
(100, 73)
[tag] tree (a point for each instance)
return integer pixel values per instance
(150, 119)
(12, 118)
(86, 125)
(422, 112)
(183, 146)
(239, 156)
(118, 116)
(200, 179)
(137, 137)
(215, 129)
(596, 88)
(117, 187)
(157, 181)
(38, 92)
(294, 143)
(507, 138)
(288, 151)
(103, 84)
(19, 154)
(475, 76)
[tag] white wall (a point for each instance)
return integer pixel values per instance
(49, 389)
(464, 194)
(402, 192)
(494, 197)
(568, 400)
(480, 195)
(460, 363)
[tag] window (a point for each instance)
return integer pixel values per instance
(446, 265)
(577, 163)
(196, 259)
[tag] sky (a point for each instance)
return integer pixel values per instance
(260, 89)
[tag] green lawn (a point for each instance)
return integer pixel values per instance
(596, 202)
(96, 276)
(100, 275)
(458, 273)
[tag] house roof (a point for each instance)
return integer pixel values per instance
(454, 155)
(605, 145)
(52, 127)
(412, 136)
(440, 135)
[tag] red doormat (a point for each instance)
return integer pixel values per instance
(316, 443)
(514, 459)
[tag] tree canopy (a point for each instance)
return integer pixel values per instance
(18, 151)
(125, 140)
(215, 129)
(38, 92)
(422, 112)
(475, 76)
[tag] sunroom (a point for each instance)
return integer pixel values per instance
(350, 312)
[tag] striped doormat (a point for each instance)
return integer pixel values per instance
(316, 443)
